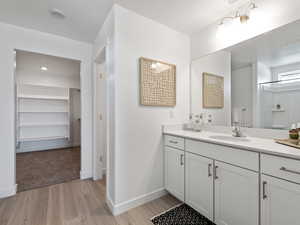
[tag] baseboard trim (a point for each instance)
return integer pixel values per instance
(110, 204)
(7, 192)
(135, 202)
(85, 175)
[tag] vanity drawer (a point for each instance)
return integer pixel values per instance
(238, 157)
(288, 169)
(176, 142)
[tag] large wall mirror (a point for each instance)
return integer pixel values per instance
(261, 81)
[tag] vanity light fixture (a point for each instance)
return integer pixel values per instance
(243, 14)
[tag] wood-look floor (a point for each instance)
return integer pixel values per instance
(80, 202)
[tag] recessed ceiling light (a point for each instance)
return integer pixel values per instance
(231, 1)
(57, 13)
(44, 68)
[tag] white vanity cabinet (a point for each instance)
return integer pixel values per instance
(236, 195)
(233, 186)
(199, 184)
(225, 192)
(280, 202)
(280, 191)
(174, 172)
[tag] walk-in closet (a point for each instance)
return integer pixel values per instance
(47, 119)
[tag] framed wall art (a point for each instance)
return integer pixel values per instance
(157, 83)
(213, 91)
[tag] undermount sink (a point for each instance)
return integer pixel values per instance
(229, 138)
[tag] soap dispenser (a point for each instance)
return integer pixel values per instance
(198, 123)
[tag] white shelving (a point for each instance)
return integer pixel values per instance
(43, 124)
(43, 113)
(42, 138)
(278, 110)
(59, 98)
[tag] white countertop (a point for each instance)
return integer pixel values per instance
(268, 146)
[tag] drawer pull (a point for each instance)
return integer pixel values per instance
(209, 170)
(264, 190)
(289, 171)
(181, 159)
(216, 177)
(173, 142)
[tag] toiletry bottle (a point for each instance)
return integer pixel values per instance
(298, 127)
(294, 134)
(197, 123)
(209, 121)
(190, 124)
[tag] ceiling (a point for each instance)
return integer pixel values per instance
(187, 16)
(276, 48)
(85, 18)
(57, 66)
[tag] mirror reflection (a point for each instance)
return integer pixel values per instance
(261, 82)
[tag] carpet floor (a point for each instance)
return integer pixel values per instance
(44, 168)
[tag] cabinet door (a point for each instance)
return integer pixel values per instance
(280, 202)
(236, 195)
(174, 172)
(199, 184)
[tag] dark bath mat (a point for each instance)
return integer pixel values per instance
(181, 215)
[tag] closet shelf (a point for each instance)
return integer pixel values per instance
(44, 97)
(43, 112)
(42, 138)
(44, 125)
(278, 110)
(46, 116)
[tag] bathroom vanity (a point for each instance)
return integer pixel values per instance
(233, 181)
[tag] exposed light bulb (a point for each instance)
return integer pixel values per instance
(44, 68)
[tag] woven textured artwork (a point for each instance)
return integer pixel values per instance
(213, 91)
(157, 83)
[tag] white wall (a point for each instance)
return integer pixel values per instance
(218, 63)
(13, 37)
(28, 77)
(242, 94)
(62, 72)
(271, 14)
(262, 73)
(138, 143)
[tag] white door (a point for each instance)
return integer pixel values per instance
(280, 202)
(236, 195)
(199, 184)
(100, 123)
(174, 172)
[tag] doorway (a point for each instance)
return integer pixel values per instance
(101, 118)
(48, 120)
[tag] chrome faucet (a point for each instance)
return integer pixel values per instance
(236, 132)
